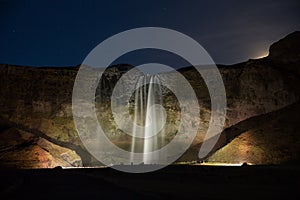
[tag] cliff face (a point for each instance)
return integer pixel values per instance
(40, 99)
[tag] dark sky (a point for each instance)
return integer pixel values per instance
(62, 33)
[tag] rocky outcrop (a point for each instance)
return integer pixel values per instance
(286, 49)
(20, 149)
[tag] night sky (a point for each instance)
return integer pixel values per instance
(62, 33)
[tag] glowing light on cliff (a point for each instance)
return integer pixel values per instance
(261, 55)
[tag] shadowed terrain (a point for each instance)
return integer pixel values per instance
(172, 182)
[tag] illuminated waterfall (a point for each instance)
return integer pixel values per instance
(148, 113)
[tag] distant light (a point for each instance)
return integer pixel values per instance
(262, 55)
(95, 167)
(220, 164)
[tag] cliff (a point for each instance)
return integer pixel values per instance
(37, 128)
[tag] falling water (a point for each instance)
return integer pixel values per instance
(148, 113)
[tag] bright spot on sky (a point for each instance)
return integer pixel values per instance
(262, 55)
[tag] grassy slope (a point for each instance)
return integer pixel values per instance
(272, 138)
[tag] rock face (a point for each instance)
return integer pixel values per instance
(286, 49)
(41, 99)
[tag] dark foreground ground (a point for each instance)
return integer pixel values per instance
(172, 182)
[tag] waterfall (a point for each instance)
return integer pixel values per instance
(148, 112)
